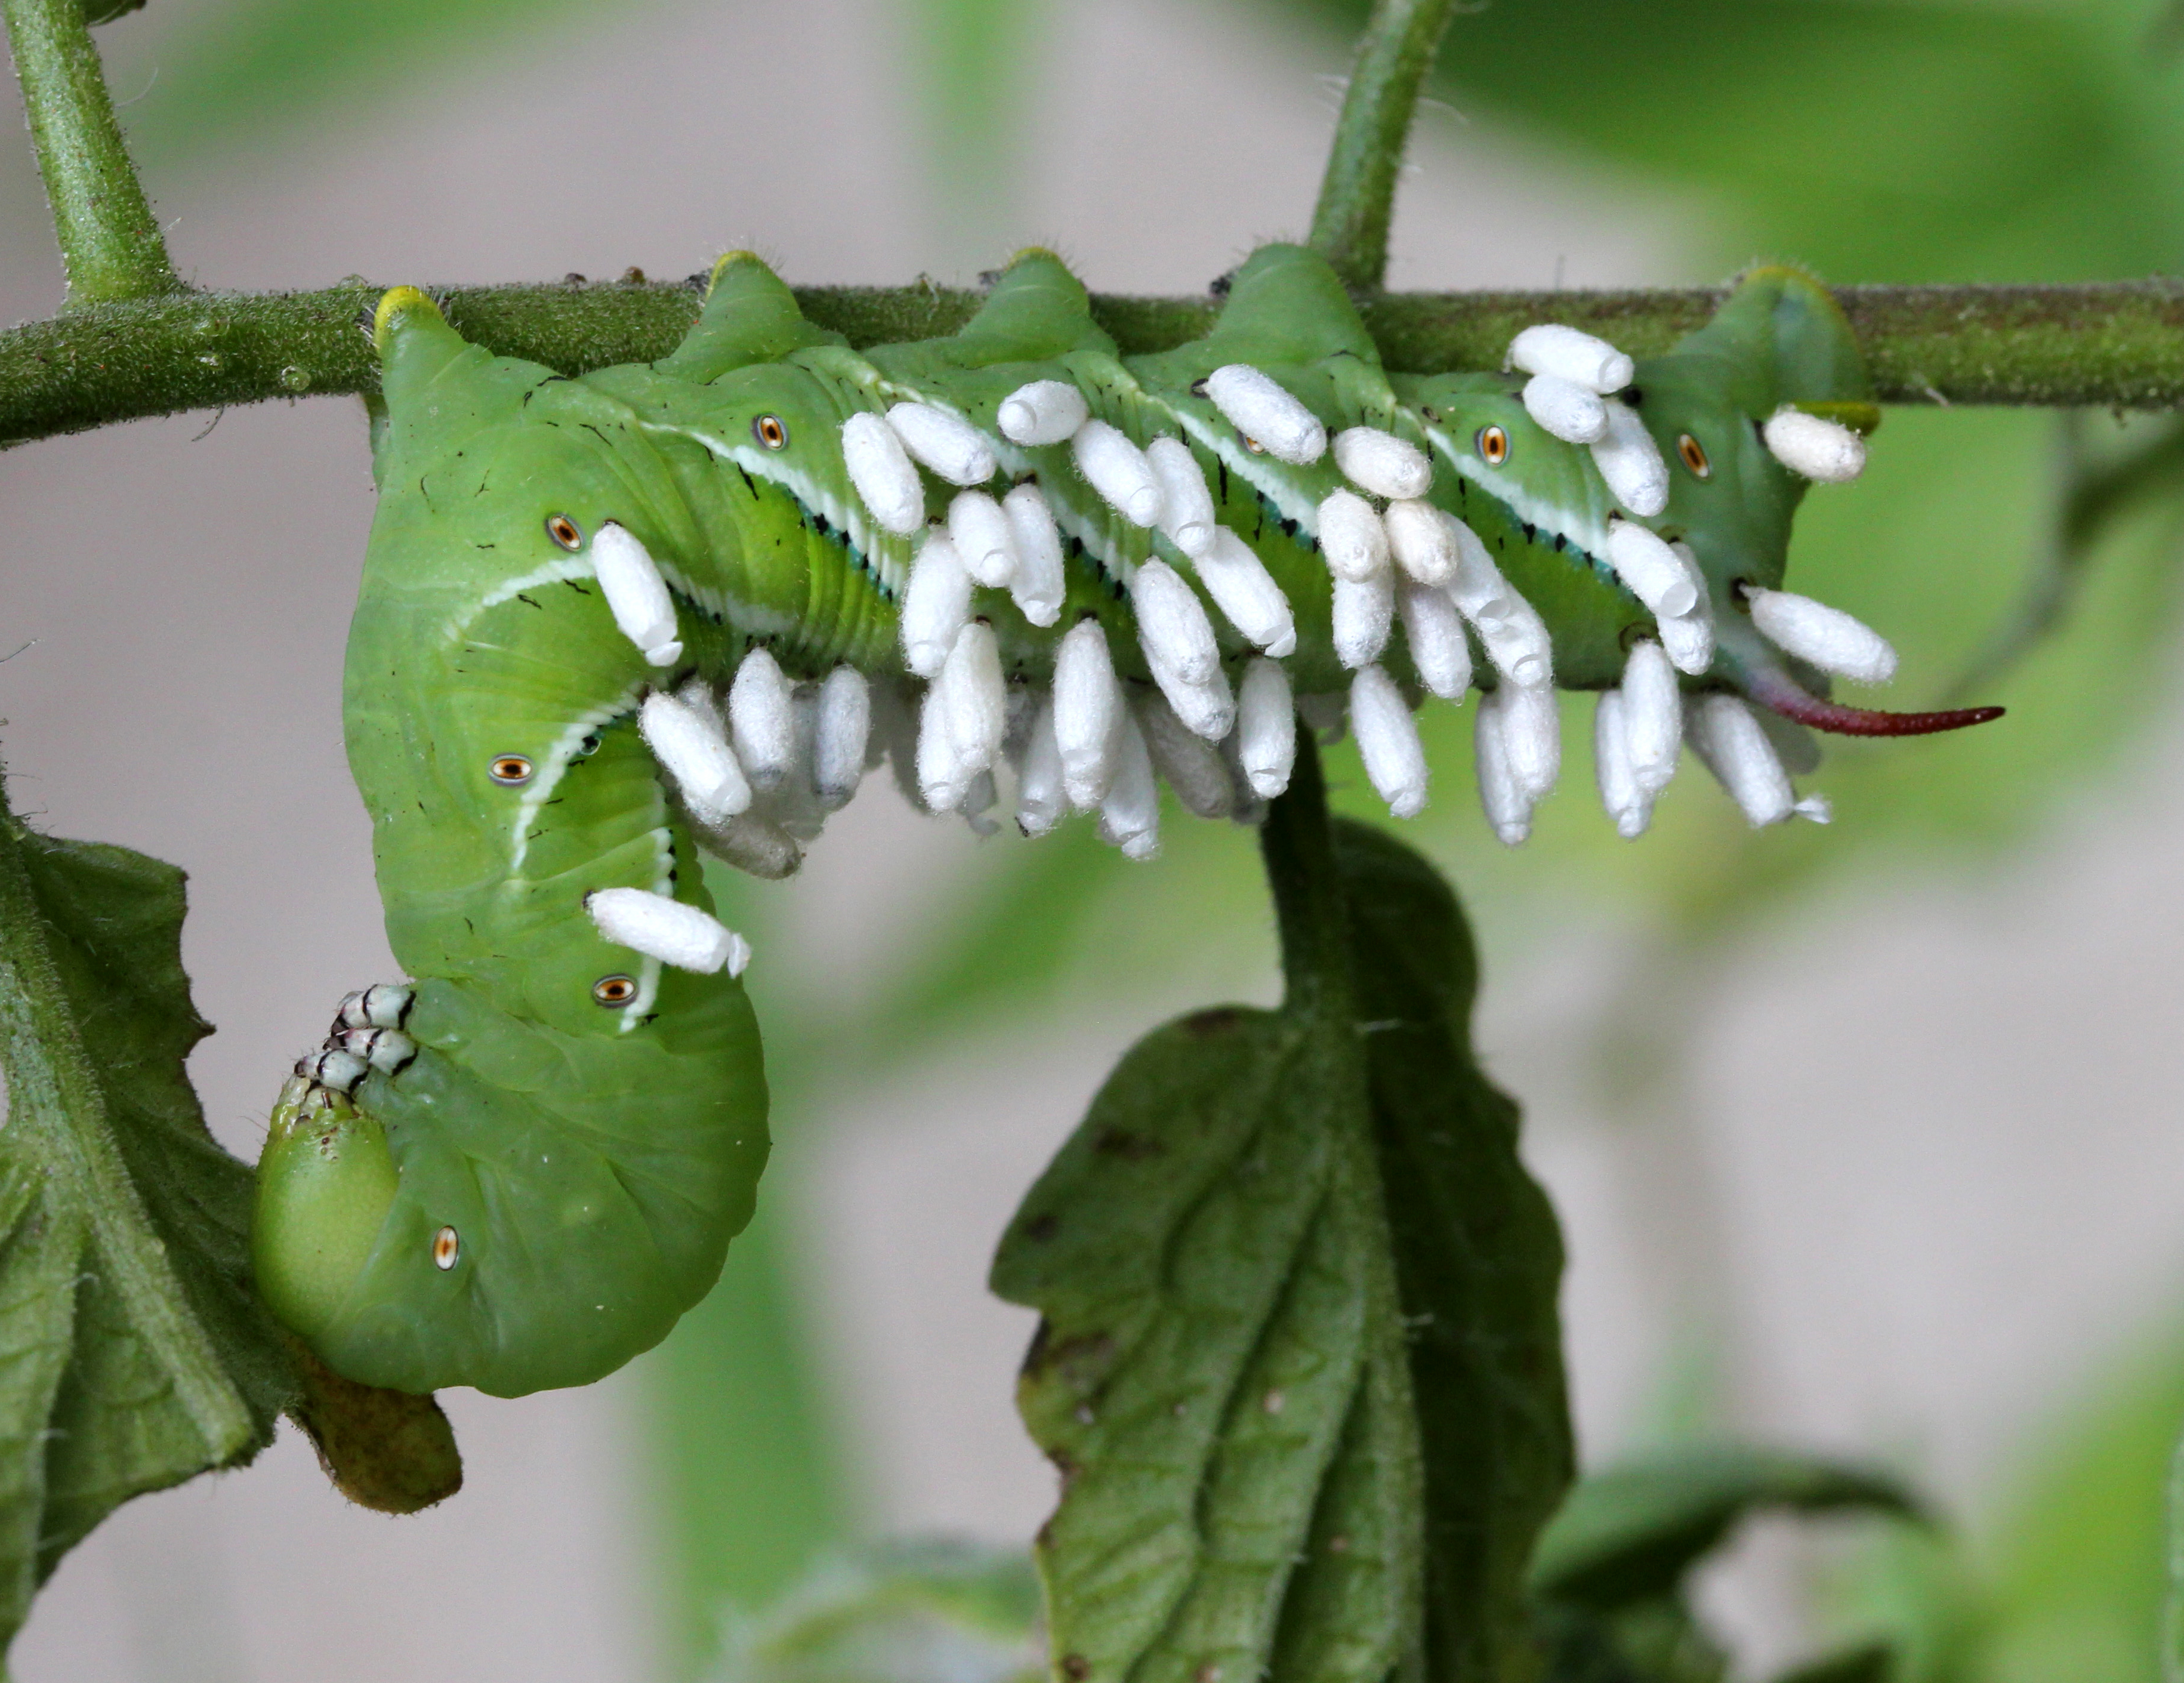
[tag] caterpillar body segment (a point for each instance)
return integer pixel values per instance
(607, 621)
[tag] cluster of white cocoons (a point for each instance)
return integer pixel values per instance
(1090, 743)
(1571, 396)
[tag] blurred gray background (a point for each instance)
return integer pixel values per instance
(1897, 1174)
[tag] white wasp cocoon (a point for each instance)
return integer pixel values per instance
(974, 700)
(762, 718)
(1514, 635)
(666, 929)
(1118, 470)
(1631, 462)
(1038, 586)
(1388, 742)
(1434, 629)
(978, 801)
(1209, 708)
(943, 779)
(936, 603)
(1627, 802)
(840, 735)
(1193, 767)
(1568, 354)
(1565, 410)
(1352, 535)
(1245, 593)
(1186, 502)
(1266, 729)
(1258, 407)
(1689, 640)
(1041, 800)
(947, 443)
(1087, 713)
(881, 473)
(1381, 463)
(1508, 807)
(1653, 711)
(691, 749)
(636, 595)
(1532, 732)
(1362, 613)
(1655, 573)
(1734, 747)
(756, 846)
(1043, 412)
(1129, 816)
(1423, 540)
(1816, 808)
(1819, 450)
(984, 541)
(1826, 637)
(1172, 623)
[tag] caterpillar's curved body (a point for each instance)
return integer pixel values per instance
(603, 619)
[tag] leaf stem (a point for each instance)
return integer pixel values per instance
(1298, 848)
(110, 243)
(2111, 346)
(1357, 194)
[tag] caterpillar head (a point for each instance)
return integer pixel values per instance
(326, 1183)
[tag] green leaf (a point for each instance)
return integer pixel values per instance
(1628, 1534)
(1298, 1360)
(132, 1354)
(97, 12)
(1231, 1451)
(1479, 1259)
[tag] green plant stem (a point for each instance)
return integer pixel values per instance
(1298, 849)
(1357, 194)
(2118, 346)
(110, 243)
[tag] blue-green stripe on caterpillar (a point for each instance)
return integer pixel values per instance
(607, 621)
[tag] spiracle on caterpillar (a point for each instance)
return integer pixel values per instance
(607, 621)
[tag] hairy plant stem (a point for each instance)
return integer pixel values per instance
(110, 243)
(2118, 346)
(1357, 194)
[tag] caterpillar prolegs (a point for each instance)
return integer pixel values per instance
(605, 620)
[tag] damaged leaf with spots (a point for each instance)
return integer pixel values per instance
(1298, 1359)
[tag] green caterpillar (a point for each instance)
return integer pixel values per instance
(604, 621)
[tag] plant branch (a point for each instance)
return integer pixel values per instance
(1357, 194)
(110, 243)
(2118, 346)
